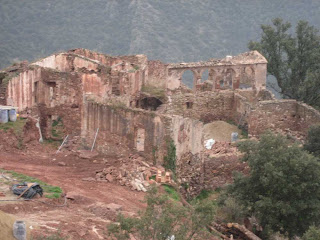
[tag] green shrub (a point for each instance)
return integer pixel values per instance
(313, 233)
(171, 192)
(313, 141)
(282, 188)
(170, 158)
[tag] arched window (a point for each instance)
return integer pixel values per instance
(187, 78)
(205, 75)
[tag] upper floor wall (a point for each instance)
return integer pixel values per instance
(247, 70)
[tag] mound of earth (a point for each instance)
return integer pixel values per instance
(6, 226)
(220, 131)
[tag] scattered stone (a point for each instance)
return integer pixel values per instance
(134, 173)
(114, 207)
(72, 195)
(89, 179)
(62, 164)
(109, 178)
(85, 154)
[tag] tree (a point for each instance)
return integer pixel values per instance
(313, 141)
(164, 218)
(313, 233)
(293, 60)
(283, 187)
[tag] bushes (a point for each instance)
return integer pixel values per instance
(313, 233)
(313, 141)
(170, 158)
(282, 190)
(164, 218)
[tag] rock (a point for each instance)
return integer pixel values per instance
(89, 179)
(138, 187)
(109, 178)
(85, 154)
(71, 195)
(134, 187)
(81, 232)
(142, 187)
(114, 207)
(146, 184)
(145, 164)
(62, 164)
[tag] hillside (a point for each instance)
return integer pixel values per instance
(168, 30)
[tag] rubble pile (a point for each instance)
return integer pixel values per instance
(223, 148)
(135, 174)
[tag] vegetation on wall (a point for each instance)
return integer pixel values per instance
(154, 91)
(170, 158)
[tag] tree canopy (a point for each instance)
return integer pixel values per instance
(294, 60)
(283, 187)
(164, 218)
(313, 140)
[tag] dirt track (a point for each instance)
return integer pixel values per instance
(84, 218)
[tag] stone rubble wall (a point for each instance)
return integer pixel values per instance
(157, 74)
(128, 123)
(204, 106)
(282, 115)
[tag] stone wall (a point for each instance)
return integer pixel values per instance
(282, 115)
(187, 135)
(143, 131)
(204, 106)
(157, 74)
(246, 70)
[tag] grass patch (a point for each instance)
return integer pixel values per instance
(57, 128)
(17, 126)
(49, 190)
(153, 177)
(154, 91)
(204, 194)
(171, 192)
(54, 236)
(53, 143)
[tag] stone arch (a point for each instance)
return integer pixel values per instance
(228, 78)
(247, 77)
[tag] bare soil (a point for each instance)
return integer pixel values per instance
(220, 131)
(85, 217)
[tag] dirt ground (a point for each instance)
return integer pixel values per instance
(220, 131)
(85, 217)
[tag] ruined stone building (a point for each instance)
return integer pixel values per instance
(147, 105)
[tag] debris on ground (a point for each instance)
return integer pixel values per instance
(223, 148)
(134, 173)
(220, 131)
(27, 190)
(6, 225)
(209, 143)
